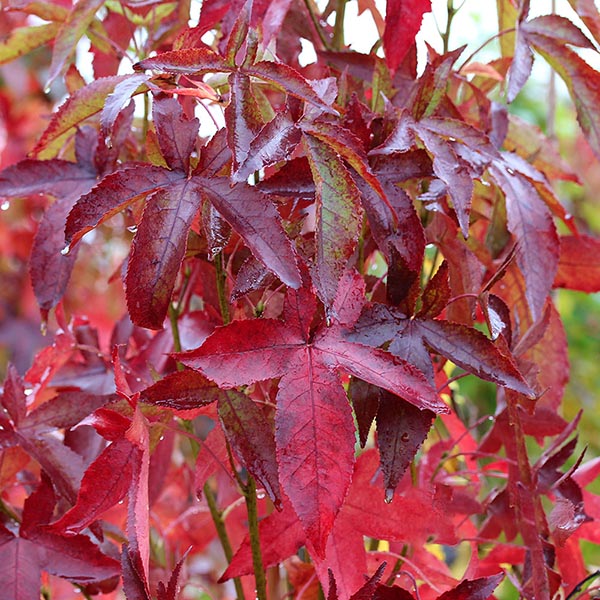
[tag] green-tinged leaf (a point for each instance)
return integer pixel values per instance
(22, 40)
(191, 61)
(115, 192)
(157, 252)
(338, 214)
(72, 113)
(76, 24)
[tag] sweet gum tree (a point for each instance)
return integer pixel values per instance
(258, 380)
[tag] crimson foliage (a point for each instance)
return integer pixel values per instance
(322, 258)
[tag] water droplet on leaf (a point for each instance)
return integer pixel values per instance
(132, 228)
(65, 251)
(389, 495)
(5, 205)
(260, 495)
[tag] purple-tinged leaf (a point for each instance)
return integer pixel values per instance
(49, 268)
(157, 253)
(257, 221)
(290, 80)
(315, 468)
(367, 590)
(22, 40)
(114, 193)
(401, 429)
(251, 436)
(19, 567)
(338, 217)
(472, 351)
(402, 23)
(274, 143)
(80, 105)
(530, 221)
(244, 120)
(215, 155)
(190, 61)
(239, 32)
(56, 177)
(104, 484)
(64, 411)
(135, 585)
(558, 28)
(172, 589)
(293, 180)
(520, 67)
(475, 589)
(402, 166)
(182, 390)
(118, 99)
(177, 134)
(13, 396)
(251, 277)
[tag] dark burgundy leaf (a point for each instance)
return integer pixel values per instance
(114, 193)
(365, 401)
(157, 252)
(135, 585)
(251, 436)
(476, 589)
(401, 429)
(530, 221)
(253, 216)
(274, 143)
(117, 99)
(436, 293)
(177, 134)
(13, 396)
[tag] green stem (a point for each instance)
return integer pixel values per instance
(217, 517)
(317, 25)
(175, 330)
(257, 562)
(221, 280)
(446, 35)
(215, 513)
(338, 28)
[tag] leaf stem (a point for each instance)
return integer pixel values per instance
(338, 28)
(451, 12)
(317, 25)
(482, 46)
(175, 331)
(217, 517)
(221, 280)
(257, 562)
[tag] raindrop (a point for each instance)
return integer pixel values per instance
(108, 142)
(161, 438)
(44, 327)
(568, 216)
(65, 251)
(28, 391)
(260, 495)
(452, 139)
(510, 171)
(405, 437)
(5, 205)
(486, 183)
(47, 89)
(121, 501)
(132, 228)
(389, 495)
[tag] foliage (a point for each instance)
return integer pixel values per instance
(316, 263)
